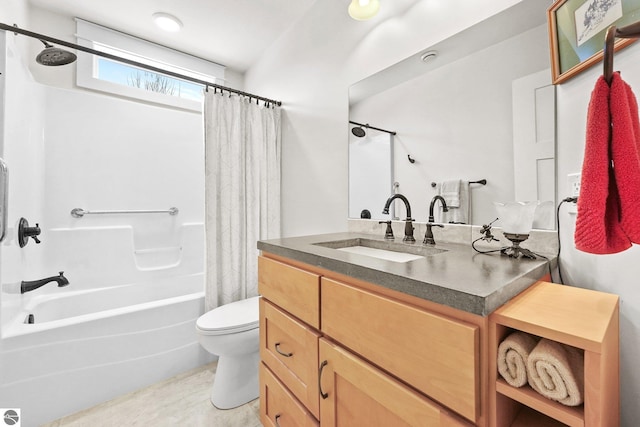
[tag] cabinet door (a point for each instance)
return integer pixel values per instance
(290, 349)
(357, 394)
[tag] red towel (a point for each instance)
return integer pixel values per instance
(625, 152)
(598, 225)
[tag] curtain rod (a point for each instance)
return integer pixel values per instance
(371, 127)
(38, 36)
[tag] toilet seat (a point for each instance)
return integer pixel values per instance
(230, 318)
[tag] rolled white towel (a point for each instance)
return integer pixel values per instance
(556, 371)
(513, 353)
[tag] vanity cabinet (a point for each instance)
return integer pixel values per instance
(347, 340)
(382, 359)
(582, 318)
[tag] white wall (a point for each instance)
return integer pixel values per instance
(311, 68)
(609, 273)
(106, 153)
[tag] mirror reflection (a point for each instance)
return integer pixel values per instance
(471, 118)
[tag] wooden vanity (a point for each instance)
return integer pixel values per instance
(337, 350)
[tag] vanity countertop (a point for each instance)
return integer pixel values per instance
(459, 277)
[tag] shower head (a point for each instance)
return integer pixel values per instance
(53, 56)
(358, 131)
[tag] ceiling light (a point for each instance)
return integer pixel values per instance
(167, 22)
(362, 10)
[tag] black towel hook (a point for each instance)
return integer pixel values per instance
(630, 31)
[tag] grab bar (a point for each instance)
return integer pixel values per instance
(4, 195)
(79, 212)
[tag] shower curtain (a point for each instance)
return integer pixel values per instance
(242, 186)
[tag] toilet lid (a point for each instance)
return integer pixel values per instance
(233, 317)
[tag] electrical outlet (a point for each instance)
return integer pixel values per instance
(573, 179)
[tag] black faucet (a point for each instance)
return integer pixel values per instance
(428, 237)
(35, 284)
(408, 226)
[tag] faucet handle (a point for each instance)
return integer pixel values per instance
(24, 232)
(388, 234)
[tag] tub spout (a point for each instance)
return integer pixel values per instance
(35, 284)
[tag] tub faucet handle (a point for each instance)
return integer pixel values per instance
(24, 232)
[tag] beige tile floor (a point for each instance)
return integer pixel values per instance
(182, 400)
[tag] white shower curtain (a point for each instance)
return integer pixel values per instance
(242, 186)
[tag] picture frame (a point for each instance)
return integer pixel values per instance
(577, 30)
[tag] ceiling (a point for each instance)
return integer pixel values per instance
(233, 33)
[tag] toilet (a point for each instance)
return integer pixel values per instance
(231, 332)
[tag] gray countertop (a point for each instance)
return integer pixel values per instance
(459, 277)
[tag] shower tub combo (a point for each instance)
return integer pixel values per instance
(89, 344)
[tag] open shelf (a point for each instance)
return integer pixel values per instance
(582, 318)
(528, 417)
(569, 415)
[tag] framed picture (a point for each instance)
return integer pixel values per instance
(577, 30)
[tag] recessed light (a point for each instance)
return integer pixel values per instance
(167, 22)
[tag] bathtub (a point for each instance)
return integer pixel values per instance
(86, 347)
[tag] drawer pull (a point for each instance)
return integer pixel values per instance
(322, 393)
(277, 417)
(282, 353)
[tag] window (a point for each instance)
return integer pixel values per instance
(119, 78)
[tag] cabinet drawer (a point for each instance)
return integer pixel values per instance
(278, 407)
(437, 355)
(290, 349)
(296, 291)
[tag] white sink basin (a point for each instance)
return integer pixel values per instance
(382, 249)
(381, 253)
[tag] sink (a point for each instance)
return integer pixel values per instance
(382, 249)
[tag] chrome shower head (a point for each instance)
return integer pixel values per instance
(54, 56)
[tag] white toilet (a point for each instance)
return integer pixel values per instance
(231, 332)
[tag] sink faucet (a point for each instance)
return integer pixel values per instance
(428, 237)
(408, 226)
(35, 284)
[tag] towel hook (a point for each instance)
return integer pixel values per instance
(630, 31)
(609, 47)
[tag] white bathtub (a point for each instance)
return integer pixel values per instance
(87, 347)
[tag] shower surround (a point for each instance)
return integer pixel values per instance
(127, 319)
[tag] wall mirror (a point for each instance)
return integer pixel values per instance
(478, 106)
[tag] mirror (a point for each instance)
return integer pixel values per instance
(476, 106)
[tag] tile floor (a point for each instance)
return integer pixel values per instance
(182, 400)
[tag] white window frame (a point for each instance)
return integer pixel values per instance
(123, 45)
